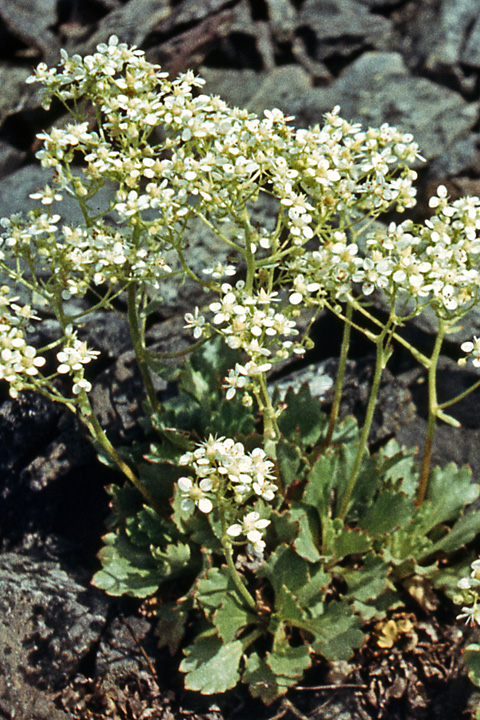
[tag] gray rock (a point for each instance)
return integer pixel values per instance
(18, 186)
(10, 158)
(282, 18)
(285, 88)
(463, 157)
(343, 27)
(131, 22)
(459, 445)
(445, 38)
(12, 82)
(48, 624)
(471, 54)
(31, 21)
(236, 87)
(378, 4)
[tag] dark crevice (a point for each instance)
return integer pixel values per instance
(388, 9)
(237, 52)
(259, 10)
(336, 63)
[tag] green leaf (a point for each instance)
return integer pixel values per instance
(472, 659)
(302, 421)
(337, 632)
(262, 681)
(391, 509)
(411, 542)
(291, 663)
(231, 617)
(175, 558)
(397, 465)
(126, 570)
(328, 479)
(308, 540)
(368, 582)
(216, 591)
(321, 483)
(285, 529)
(289, 461)
(287, 607)
(170, 373)
(378, 608)
(147, 528)
(463, 531)
(284, 568)
(212, 588)
(340, 541)
(195, 382)
(450, 490)
(446, 578)
(313, 592)
(346, 431)
(212, 665)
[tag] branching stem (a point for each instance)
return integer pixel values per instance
(433, 409)
(342, 365)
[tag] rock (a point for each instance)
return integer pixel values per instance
(31, 22)
(48, 624)
(282, 88)
(131, 22)
(10, 158)
(52, 487)
(379, 4)
(342, 28)
(236, 87)
(12, 82)
(282, 19)
(449, 38)
(471, 53)
(460, 445)
(15, 191)
(461, 158)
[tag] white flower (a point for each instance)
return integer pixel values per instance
(195, 321)
(81, 384)
(471, 615)
(250, 526)
(472, 348)
(46, 196)
(74, 356)
(195, 495)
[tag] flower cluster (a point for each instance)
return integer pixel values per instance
(251, 322)
(469, 596)
(77, 258)
(226, 476)
(72, 359)
(19, 362)
(472, 348)
(436, 263)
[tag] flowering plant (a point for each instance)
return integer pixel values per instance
(264, 525)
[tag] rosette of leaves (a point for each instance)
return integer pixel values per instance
(323, 579)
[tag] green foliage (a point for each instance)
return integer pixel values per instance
(472, 658)
(322, 578)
